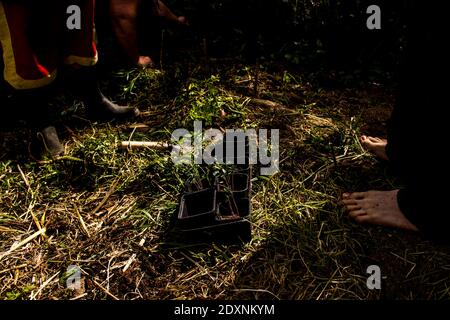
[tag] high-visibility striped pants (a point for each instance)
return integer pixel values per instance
(35, 38)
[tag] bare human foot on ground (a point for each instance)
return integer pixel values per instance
(376, 207)
(376, 146)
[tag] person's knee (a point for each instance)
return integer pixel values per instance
(123, 9)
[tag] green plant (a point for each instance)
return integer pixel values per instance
(207, 102)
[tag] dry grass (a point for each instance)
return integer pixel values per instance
(109, 211)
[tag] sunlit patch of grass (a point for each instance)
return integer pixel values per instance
(109, 210)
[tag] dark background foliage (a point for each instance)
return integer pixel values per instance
(313, 34)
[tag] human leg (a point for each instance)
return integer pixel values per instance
(81, 57)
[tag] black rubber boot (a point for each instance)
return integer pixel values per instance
(84, 84)
(45, 140)
(51, 145)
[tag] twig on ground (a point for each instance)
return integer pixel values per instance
(33, 296)
(144, 144)
(22, 243)
(104, 290)
(112, 189)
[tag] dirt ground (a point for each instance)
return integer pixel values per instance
(108, 211)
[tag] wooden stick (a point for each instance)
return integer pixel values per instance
(142, 144)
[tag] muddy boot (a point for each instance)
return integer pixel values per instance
(85, 86)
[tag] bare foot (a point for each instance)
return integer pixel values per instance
(376, 207)
(145, 62)
(376, 146)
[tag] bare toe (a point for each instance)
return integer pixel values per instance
(376, 146)
(357, 195)
(357, 213)
(353, 207)
(377, 207)
(376, 140)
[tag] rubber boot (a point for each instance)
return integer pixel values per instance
(49, 139)
(84, 84)
(34, 104)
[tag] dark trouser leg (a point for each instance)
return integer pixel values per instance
(418, 136)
